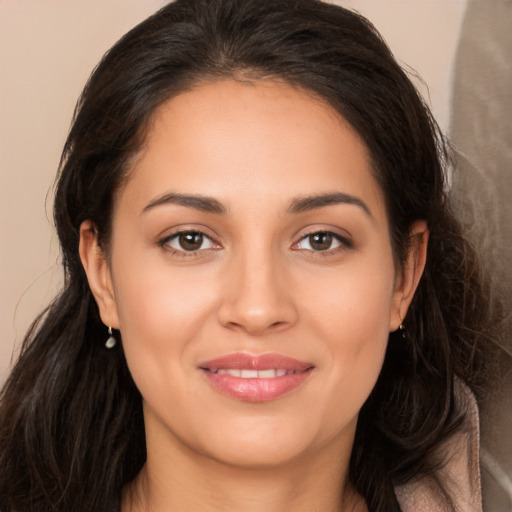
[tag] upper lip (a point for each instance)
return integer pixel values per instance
(243, 361)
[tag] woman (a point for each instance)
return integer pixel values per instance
(268, 303)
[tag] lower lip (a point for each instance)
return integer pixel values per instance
(256, 390)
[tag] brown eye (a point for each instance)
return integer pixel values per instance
(189, 241)
(320, 241)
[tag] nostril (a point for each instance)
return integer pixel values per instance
(258, 308)
(256, 327)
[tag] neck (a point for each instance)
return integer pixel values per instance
(313, 483)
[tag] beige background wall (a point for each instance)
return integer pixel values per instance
(47, 50)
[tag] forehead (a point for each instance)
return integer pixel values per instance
(233, 140)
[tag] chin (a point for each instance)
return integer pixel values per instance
(259, 454)
(269, 442)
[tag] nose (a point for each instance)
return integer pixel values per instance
(257, 295)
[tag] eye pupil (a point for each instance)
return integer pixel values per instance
(190, 241)
(320, 241)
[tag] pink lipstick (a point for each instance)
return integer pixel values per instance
(256, 378)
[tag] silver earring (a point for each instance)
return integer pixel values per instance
(111, 342)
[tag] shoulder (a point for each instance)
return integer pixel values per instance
(461, 473)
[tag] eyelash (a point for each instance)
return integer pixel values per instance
(164, 243)
(344, 243)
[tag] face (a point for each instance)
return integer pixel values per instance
(251, 275)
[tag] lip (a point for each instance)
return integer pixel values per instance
(259, 388)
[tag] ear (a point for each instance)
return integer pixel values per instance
(407, 281)
(98, 274)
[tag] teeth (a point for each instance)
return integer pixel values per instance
(267, 374)
(255, 374)
(234, 373)
(249, 374)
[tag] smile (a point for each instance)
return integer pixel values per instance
(255, 378)
(255, 374)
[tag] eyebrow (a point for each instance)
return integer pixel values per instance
(298, 205)
(307, 203)
(198, 202)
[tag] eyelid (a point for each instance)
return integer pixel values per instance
(345, 240)
(163, 240)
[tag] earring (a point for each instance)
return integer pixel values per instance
(111, 342)
(402, 330)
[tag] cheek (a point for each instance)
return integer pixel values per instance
(160, 312)
(354, 304)
(352, 316)
(152, 296)
(366, 323)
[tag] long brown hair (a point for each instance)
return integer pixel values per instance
(71, 425)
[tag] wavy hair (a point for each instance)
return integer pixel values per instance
(71, 424)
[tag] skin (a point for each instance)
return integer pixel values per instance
(255, 285)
